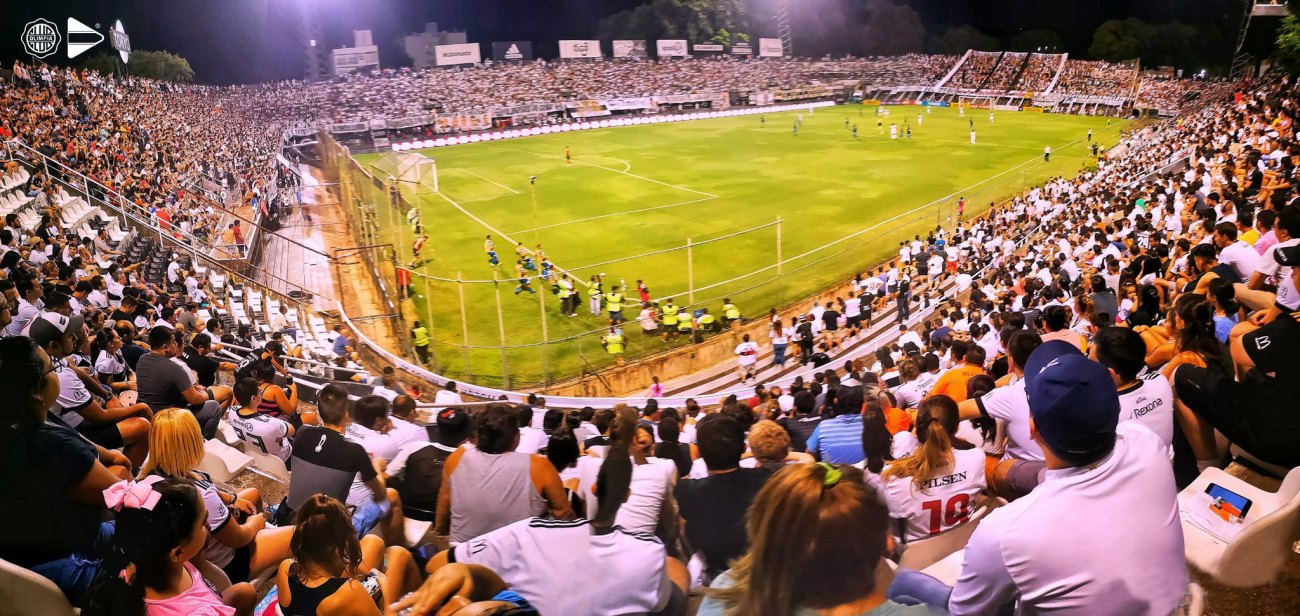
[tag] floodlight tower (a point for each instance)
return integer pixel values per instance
(313, 45)
(783, 27)
(1242, 62)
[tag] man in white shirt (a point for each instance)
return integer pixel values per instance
(1109, 487)
(448, 395)
(270, 435)
(1240, 255)
(30, 305)
(746, 355)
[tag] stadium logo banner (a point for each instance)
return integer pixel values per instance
(629, 49)
(742, 49)
(512, 50)
(670, 48)
(450, 55)
(580, 49)
(770, 48)
(708, 48)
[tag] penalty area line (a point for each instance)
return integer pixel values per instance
(629, 166)
(613, 214)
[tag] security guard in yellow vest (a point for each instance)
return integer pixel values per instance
(670, 311)
(568, 307)
(730, 313)
(420, 340)
(613, 343)
(614, 304)
(707, 321)
(593, 295)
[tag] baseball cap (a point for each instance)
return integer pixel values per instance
(453, 426)
(50, 326)
(1072, 400)
(1288, 256)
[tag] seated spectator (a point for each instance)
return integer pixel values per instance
(1023, 464)
(416, 471)
(280, 401)
(650, 507)
(800, 562)
(371, 427)
(839, 439)
(197, 357)
(60, 477)
(493, 484)
(389, 387)
(531, 439)
(403, 418)
(713, 508)
(669, 448)
(110, 362)
(342, 346)
(1098, 467)
(801, 422)
(161, 527)
(239, 542)
(109, 424)
(770, 445)
(267, 434)
(933, 490)
(583, 567)
(325, 462)
(447, 395)
(332, 573)
(1148, 399)
(163, 383)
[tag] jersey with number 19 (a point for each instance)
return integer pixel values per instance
(263, 432)
(940, 502)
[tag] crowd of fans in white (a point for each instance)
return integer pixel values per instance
(1094, 335)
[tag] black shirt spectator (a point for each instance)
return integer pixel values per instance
(201, 364)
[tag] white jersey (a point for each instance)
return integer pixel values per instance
(548, 561)
(747, 353)
(1150, 402)
(940, 503)
(652, 486)
(264, 433)
(1010, 404)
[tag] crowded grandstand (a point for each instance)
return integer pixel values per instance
(1062, 403)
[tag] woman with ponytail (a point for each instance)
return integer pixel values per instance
(1193, 341)
(818, 534)
(333, 573)
(161, 526)
(1223, 297)
(931, 491)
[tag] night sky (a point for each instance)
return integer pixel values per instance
(242, 41)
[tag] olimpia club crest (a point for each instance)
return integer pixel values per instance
(40, 38)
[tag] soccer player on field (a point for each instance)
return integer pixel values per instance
(972, 137)
(568, 158)
(524, 283)
(488, 244)
(415, 248)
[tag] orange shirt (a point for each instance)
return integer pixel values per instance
(953, 382)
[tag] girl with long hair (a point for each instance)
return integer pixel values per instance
(931, 490)
(240, 543)
(161, 527)
(799, 561)
(1191, 323)
(334, 573)
(1223, 297)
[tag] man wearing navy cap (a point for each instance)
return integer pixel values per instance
(1068, 547)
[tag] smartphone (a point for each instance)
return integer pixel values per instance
(1239, 502)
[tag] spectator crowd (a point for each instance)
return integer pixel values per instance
(1091, 337)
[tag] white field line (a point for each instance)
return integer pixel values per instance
(612, 215)
(629, 166)
(493, 182)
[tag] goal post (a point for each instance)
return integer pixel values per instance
(414, 171)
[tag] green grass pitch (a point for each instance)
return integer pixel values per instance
(643, 189)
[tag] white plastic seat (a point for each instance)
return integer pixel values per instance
(23, 591)
(222, 462)
(1259, 554)
(269, 464)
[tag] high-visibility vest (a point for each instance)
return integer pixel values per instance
(731, 311)
(706, 320)
(420, 336)
(566, 289)
(684, 325)
(670, 314)
(614, 343)
(593, 290)
(614, 301)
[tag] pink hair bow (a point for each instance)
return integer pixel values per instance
(133, 494)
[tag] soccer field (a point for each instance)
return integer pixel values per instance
(632, 196)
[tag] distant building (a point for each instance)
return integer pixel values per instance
(420, 46)
(363, 55)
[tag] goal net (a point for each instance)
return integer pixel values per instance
(413, 173)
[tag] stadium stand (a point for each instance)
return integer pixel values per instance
(1131, 313)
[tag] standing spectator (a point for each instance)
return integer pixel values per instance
(746, 355)
(492, 485)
